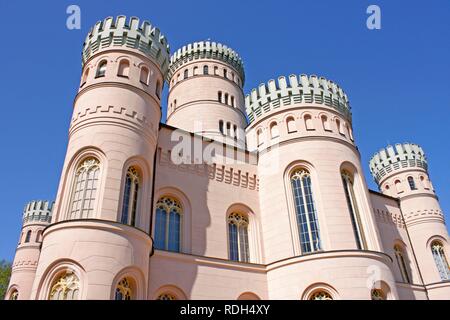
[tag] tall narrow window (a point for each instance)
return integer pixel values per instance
(259, 137)
(84, 189)
(28, 236)
(354, 212)
(228, 129)
(144, 75)
(399, 256)
(274, 133)
(168, 224)
(123, 290)
(158, 89)
(221, 126)
(238, 237)
(398, 186)
(205, 70)
(325, 123)
(309, 122)
(412, 183)
(305, 208)
(130, 197)
(226, 98)
(38, 236)
(235, 132)
(186, 73)
(85, 76)
(195, 71)
(101, 69)
(441, 260)
(290, 123)
(232, 101)
(224, 73)
(66, 287)
(124, 68)
(219, 96)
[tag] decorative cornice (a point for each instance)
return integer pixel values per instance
(295, 90)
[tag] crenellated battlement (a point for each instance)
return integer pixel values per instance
(206, 50)
(302, 89)
(131, 34)
(397, 157)
(38, 211)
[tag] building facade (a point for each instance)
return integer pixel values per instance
(234, 197)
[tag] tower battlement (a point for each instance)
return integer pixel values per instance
(302, 89)
(206, 50)
(38, 211)
(400, 156)
(120, 32)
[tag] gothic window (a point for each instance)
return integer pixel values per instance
(353, 209)
(166, 296)
(412, 183)
(123, 290)
(66, 287)
(144, 75)
(399, 256)
(124, 68)
(238, 237)
(130, 197)
(101, 69)
(205, 70)
(84, 189)
(274, 133)
(305, 211)
(290, 122)
(14, 295)
(440, 259)
(321, 295)
(28, 236)
(168, 224)
(309, 122)
(377, 294)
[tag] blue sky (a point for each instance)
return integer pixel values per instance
(397, 78)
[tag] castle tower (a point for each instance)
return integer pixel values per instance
(98, 245)
(401, 171)
(205, 92)
(315, 207)
(36, 216)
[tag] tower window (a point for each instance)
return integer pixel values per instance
(216, 69)
(195, 70)
(274, 133)
(186, 74)
(221, 126)
(225, 73)
(259, 137)
(158, 89)
(290, 122)
(232, 101)
(412, 183)
(101, 69)
(309, 122)
(205, 70)
(168, 224)
(219, 96)
(85, 76)
(28, 236)
(440, 260)
(228, 129)
(124, 68)
(325, 123)
(144, 75)
(238, 237)
(130, 197)
(235, 134)
(226, 98)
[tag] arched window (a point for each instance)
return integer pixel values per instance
(195, 71)
(441, 260)
(221, 127)
(238, 237)
(168, 224)
(309, 122)
(38, 236)
(101, 69)
(85, 76)
(186, 73)
(228, 129)
(166, 296)
(14, 295)
(84, 189)
(399, 256)
(377, 294)
(224, 73)
(290, 123)
(130, 197)
(259, 137)
(144, 75)
(124, 68)
(226, 98)
(158, 89)
(219, 96)
(205, 70)
(321, 295)
(305, 208)
(216, 69)
(354, 211)
(232, 101)
(412, 183)
(424, 182)
(28, 236)
(325, 123)
(123, 290)
(398, 186)
(235, 132)
(340, 127)
(274, 133)
(66, 287)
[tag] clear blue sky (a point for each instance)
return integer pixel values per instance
(397, 78)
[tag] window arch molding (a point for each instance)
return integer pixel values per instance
(290, 124)
(136, 280)
(69, 179)
(325, 121)
(170, 290)
(291, 210)
(320, 287)
(141, 166)
(101, 67)
(123, 66)
(186, 219)
(56, 270)
(253, 230)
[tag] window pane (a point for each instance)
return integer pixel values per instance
(174, 232)
(160, 228)
(234, 251)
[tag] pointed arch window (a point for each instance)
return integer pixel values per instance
(123, 290)
(130, 197)
(412, 183)
(305, 208)
(168, 224)
(440, 260)
(66, 287)
(101, 69)
(399, 256)
(28, 236)
(84, 189)
(124, 68)
(352, 204)
(238, 237)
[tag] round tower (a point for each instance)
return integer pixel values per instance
(316, 212)
(401, 171)
(99, 238)
(36, 216)
(205, 92)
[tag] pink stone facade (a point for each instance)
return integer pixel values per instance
(233, 197)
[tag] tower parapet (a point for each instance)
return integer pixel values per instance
(293, 90)
(129, 34)
(393, 158)
(38, 211)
